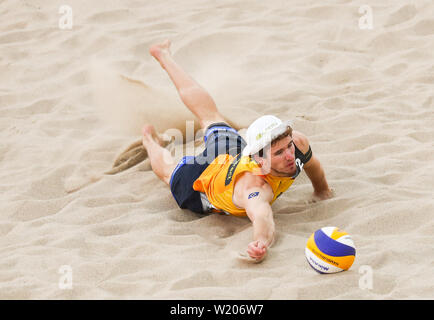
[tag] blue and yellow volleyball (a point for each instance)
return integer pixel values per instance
(330, 250)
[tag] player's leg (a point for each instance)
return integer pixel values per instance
(196, 98)
(162, 162)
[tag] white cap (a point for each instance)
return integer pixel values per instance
(262, 131)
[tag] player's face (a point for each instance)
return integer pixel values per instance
(283, 157)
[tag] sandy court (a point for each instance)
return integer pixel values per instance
(364, 97)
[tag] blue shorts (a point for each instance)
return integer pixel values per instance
(219, 138)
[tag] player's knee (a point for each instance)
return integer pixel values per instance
(205, 123)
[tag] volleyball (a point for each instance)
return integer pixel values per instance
(330, 250)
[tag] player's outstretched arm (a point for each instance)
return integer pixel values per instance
(255, 198)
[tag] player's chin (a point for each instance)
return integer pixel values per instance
(289, 170)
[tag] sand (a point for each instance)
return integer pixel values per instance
(364, 98)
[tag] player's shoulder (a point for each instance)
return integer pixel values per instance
(301, 141)
(248, 179)
(247, 182)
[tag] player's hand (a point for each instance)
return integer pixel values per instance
(257, 250)
(323, 195)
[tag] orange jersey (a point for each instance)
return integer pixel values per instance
(218, 181)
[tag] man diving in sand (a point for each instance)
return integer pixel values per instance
(233, 176)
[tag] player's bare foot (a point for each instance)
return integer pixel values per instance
(159, 50)
(150, 135)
